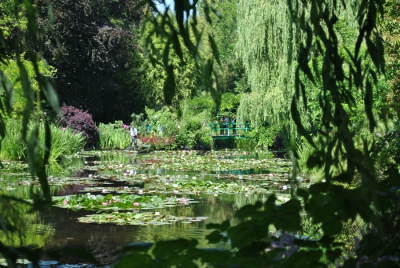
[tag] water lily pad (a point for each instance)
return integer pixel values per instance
(118, 202)
(142, 218)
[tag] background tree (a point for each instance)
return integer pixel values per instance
(266, 46)
(224, 31)
(187, 76)
(93, 46)
(391, 35)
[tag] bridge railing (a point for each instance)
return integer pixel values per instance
(229, 129)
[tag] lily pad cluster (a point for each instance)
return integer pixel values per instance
(186, 187)
(132, 218)
(184, 162)
(118, 202)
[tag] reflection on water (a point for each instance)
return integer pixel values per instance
(105, 240)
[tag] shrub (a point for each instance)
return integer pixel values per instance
(79, 121)
(11, 146)
(158, 143)
(114, 136)
(63, 141)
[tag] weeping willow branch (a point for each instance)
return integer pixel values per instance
(267, 46)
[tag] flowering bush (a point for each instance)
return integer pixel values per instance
(79, 121)
(159, 142)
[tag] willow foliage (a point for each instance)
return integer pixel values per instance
(267, 47)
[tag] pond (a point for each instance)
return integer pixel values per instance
(107, 199)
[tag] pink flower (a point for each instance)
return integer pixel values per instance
(65, 202)
(117, 200)
(136, 211)
(136, 204)
(63, 128)
(110, 201)
(104, 203)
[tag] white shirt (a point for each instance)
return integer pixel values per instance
(133, 131)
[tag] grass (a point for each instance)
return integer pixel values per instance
(64, 141)
(113, 137)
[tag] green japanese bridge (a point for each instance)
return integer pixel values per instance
(221, 131)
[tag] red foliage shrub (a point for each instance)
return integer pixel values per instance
(158, 142)
(79, 121)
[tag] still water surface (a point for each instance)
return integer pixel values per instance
(104, 240)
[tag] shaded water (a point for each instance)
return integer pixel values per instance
(104, 240)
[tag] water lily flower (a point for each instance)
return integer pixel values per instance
(284, 187)
(90, 175)
(104, 191)
(110, 201)
(104, 203)
(136, 204)
(125, 187)
(116, 200)
(65, 202)
(157, 213)
(63, 128)
(140, 192)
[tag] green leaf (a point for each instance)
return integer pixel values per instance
(214, 48)
(326, 241)
(332, 255)
(369, 243)
(214, 237)
(368, 99)
(332, 226)
(302, 193)
(169, 85)
(248, 211)
(321, 187)
(51, 95)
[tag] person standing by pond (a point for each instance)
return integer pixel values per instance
(226, 125)
(221, 125)
(133, 132)
(234, 124)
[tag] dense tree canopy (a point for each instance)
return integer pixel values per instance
(94, 47)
